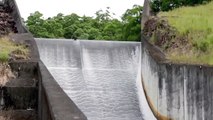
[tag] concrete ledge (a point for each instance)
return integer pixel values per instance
(60, 106)
(154, 51)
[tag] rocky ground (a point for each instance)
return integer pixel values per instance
(7, 23)
(17, 115)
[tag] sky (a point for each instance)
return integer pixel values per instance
(51, 8)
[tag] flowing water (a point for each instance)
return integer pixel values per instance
(101, 77)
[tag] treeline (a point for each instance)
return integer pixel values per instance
(166, 5)
(101, 27)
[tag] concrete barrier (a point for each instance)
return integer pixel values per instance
(53, 101)
(176, 91)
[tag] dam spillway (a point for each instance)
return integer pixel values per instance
(101, 77)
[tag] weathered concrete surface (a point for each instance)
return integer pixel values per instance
(18, 115)
(176, 91)
(20, 97)
(14, 11)
(21, 92)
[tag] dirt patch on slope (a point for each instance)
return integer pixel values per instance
(166, 37)
(6, 74)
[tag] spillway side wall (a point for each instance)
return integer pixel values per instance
(176, 91)
(54, 103)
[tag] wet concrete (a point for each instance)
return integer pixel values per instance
(176, 91)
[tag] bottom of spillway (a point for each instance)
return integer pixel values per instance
(101, 94)
(100, 77)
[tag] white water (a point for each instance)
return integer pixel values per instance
(102, 78)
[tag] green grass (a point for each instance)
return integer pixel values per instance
(192, 59)
(7, 46)
(196, 23)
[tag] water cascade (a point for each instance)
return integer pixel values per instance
(103, 78)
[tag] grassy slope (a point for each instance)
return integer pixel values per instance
(197, 24)
(7, 46)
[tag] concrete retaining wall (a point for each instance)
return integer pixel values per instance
(16, 16)
(176, 91)
(52, 102)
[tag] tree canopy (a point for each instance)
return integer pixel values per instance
(101, 27)
(166, 5)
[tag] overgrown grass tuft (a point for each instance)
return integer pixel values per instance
(7, 46)
(196, 23)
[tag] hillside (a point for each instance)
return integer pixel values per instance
(185, 34)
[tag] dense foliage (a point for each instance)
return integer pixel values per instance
(166, 5)
(101, 27)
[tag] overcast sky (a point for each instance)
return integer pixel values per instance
(51, 8)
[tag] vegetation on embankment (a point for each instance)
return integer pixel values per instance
(185, 34)
(12, 50)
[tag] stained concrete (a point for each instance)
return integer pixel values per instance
(176, 91)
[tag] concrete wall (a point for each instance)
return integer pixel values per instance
(22, 91)
(53, 103)
(16, 16)
(176, 91)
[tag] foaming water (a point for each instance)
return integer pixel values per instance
(102, 78)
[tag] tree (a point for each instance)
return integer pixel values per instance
(101, 27)
(35, 24)
(131, 20)
(166, 5)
